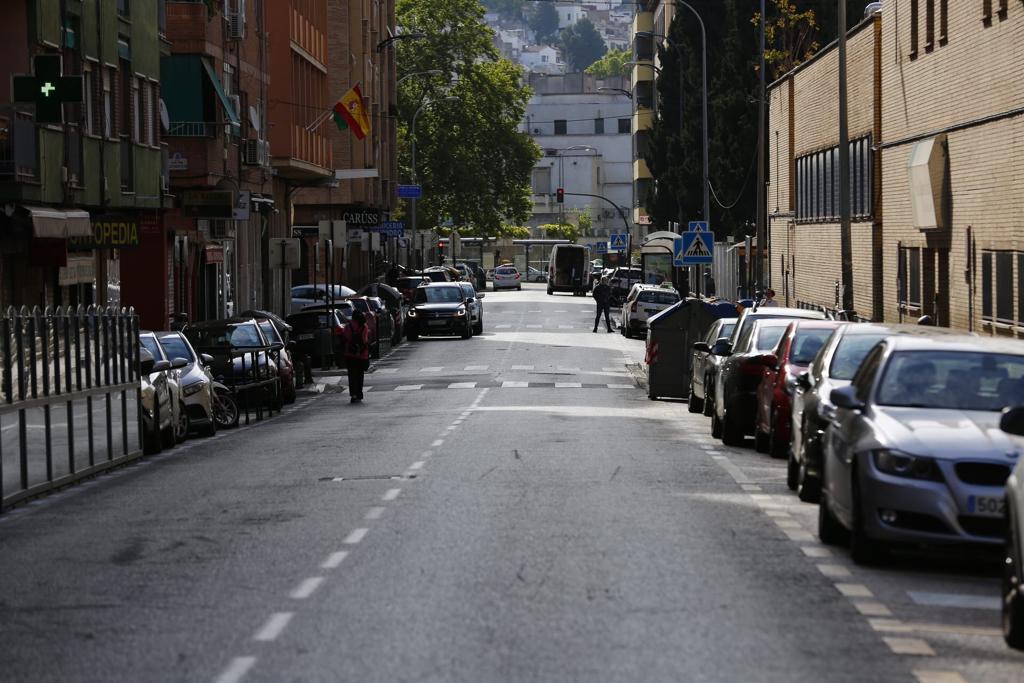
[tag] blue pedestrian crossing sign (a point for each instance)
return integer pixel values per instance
(693, 249)
(698, 226)
(617, 241)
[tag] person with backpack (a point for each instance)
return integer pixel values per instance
(357, 354)
(602, 296)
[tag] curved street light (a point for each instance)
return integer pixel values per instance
(620, 91)
(430, 72)
(416, 35)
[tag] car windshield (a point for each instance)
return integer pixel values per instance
(659, 297)
(953, 380)
(439, 295)
(768, 336)
(807, 343)
(152, 347)
(727, 329)
(360, 305)
(506, 271)
(269, 331)
(468, 290)
(850, 352)
(176, 347)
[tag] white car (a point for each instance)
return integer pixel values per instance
(643, 302)
(308, 295)
(476, 306)
(507, 277)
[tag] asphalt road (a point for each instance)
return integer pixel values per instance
(506, 508)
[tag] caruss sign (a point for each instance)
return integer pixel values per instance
(108, 232)
(360, 216)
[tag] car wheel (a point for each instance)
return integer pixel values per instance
(209, 429)
(776, 448)
(709, 398)
(550, 292)
(792, 471)
(863, 550)
(1013, 600)
(830, 531)
(519, 288)
(761, 443)
(468, 332)
(479, 328)
(151, 444)
(182, 427)
(694, 404)
(731, 434)
(716, 425)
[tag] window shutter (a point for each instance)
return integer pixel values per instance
(914, 16)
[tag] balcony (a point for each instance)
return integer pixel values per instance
(19, 148)
(191, 129)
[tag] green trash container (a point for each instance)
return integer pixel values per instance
(670, 338)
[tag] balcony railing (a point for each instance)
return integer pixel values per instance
(191, 129)
(19, 149)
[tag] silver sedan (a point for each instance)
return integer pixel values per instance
(914, 453)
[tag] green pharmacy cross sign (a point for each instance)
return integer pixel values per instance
(47, 88)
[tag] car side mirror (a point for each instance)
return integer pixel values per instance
(276, 346)
(803, 380)
(479, 295)
(846, 398)
(206, 358)
(1012, 421)
(722, 347)
(703, 347)
(179, 363)
(161, 365)
(146, 366)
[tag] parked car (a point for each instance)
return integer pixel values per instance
(476, 306)
(439, 308)
(282, 358)
(438, 274)
(157, 420)
(914, 453)
(179, 415)
(705, 366)
(408, 284)
(395, 302)
(507, 277)
(534, 275)
(622, 280)
(796, 350)
(812, 411)
(241, 355)
(307, 295)
(1012, 422)
(465, 272)
(378, 321)
(317, 332)
(643, 302)
(196, 387)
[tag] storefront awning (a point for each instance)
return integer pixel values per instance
(56, 224)
(229, 107)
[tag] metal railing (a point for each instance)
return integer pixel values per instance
(69, 397)
(191, 129)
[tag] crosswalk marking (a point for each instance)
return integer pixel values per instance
(408, 387)
(568, 385)
(433, 369)
(522, 367)
(515, 385)
(462, 385)
(476, 368)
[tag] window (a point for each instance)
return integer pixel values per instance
(986, 285)
(943, 21)
(108, 102)
(909, 277)
(124, 8)
(929, 24)
(865, 377)
(1004, 286)
(136, 110)
(88, 84)
(817, 179)
(641, 143)
(541, 180)
(997, 287)
(560, 126)
(598, 126)
(625, 126)
(914, 16)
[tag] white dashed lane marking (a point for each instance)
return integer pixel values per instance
(275, 625)
(356, 536)
(854, 590)
(391, 494)
(306, 588)
(909, 646)
(522, 367)
(236, 670)
(334, 560)
(437, 444)
(515, 385)
(418, 465)
(939, 677)
(374, 513)
(568, 385)
(872, 609)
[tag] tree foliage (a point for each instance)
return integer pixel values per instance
(611, 65)
(790, 36)
(561, 231)
(543, 21)
(582, 44)
(472, 161)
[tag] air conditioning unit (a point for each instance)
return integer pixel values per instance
(236, 24)
(256, 152)
(222, 229)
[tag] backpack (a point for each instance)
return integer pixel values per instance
(355, 347)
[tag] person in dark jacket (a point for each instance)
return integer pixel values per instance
(603, 295)
(357, 354)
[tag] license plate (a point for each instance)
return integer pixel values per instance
(437, 323)
(304, 336)
(986, 506)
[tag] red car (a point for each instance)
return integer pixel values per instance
(792, 355)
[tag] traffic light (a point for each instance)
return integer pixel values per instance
(440, 244)
(560, 195)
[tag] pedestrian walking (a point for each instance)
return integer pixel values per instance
(602, 295)
(769, 299)
(357, 354)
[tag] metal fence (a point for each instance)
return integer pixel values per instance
(69, 396)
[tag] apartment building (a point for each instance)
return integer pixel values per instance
(82, 192)
(216, 90)
(803, 176)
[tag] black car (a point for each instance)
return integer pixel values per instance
(394, 300)
(439, 309)
(318, 333)
(241, 356)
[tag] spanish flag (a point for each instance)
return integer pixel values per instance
(350, 112)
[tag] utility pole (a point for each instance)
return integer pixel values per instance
(762, 208)
(845, 236)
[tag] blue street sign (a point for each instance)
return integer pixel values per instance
(601, 248)
(698, 226)
(389, 228)
(618, 241)
(693, 249)
(410, 191)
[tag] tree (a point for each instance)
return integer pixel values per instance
(790, 36)
(561, 231)
(582, 44)
(543, 21)
(585, 222)
(472, 161)
(612, 65)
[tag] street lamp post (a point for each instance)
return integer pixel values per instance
(430, 72)
(412, 207)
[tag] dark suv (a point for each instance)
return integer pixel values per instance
(439, 308)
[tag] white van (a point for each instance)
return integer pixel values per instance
(569, 269)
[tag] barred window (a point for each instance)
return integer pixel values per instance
(817, 183)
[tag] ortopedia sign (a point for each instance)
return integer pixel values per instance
(108, 232)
